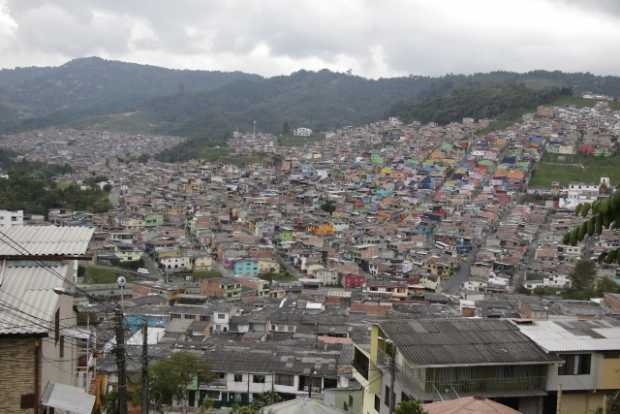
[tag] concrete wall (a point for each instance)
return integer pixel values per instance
(574, 382)
(609, 373)
(581, 403)
(54, 368)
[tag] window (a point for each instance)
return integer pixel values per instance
(258, 379)
(221, 316)
(377, 404)
(27, 401)
(61, 349)
(386, 396)
(360, 363)
(238, 378)
(284, 379)
(611, 354)
(583, 368)
(187, 316)
(57, 325)
(575, 364)
(350, 401)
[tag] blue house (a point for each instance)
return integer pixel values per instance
(246, 267)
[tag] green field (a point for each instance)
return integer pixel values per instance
(568, 169)
(96, 275)
(206, 274)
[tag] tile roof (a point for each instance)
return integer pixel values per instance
(468, 405)
(44, 240)
(449, 342)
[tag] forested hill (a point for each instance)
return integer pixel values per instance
(506, 102)
(206, 105)
(32, 97)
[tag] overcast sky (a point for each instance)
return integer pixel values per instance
(372, 37)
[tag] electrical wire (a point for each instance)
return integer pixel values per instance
(23, 250)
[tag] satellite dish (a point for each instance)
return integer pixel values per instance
(121, 282)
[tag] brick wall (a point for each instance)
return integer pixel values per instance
(17, 371)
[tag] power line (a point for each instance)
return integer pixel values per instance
(20, 248)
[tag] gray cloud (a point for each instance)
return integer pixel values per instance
(278, 36)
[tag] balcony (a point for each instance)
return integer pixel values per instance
(522, 380)
(486, 386)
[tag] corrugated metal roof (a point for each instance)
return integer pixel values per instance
(67, 398)
(45, 240)
(574, 335)
(462, 341)
(27, 288)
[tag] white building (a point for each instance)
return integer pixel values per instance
(176, 263)
(302, 132)
(11, 218)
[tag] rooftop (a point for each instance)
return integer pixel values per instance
(452, 342)
(44, 240)
(574, 334)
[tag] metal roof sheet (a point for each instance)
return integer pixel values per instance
(44, 240)
(574, 335)
(27, 288)
(462, 341)
(67, 398)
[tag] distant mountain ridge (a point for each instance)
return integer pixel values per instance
(207, 105)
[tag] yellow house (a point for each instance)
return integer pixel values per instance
(366, 371)
(590, 351)
(326, 229)
(436, 359)
(268, 266)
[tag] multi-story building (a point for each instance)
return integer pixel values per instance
(589, 374)
(11, 218)
(221, 287)
(243, 373)
(431, 360)
(39, 342)
(246, 267)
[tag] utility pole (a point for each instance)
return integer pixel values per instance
(392, 395)
(145, 368)
(121, 362)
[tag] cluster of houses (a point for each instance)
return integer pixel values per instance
(534, 354)
(382, 264)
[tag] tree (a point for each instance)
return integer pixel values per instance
(329, 207)
(260, 401)
(409, 407)
(582, 277)
(286, 129)
(601, 214)
(606, 285)
(169, 378)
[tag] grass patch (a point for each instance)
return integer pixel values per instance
(97, 275)
(283, 276)
(567, 169)
(293, 141)
(206, 274)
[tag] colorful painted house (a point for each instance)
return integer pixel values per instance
(246, 267)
